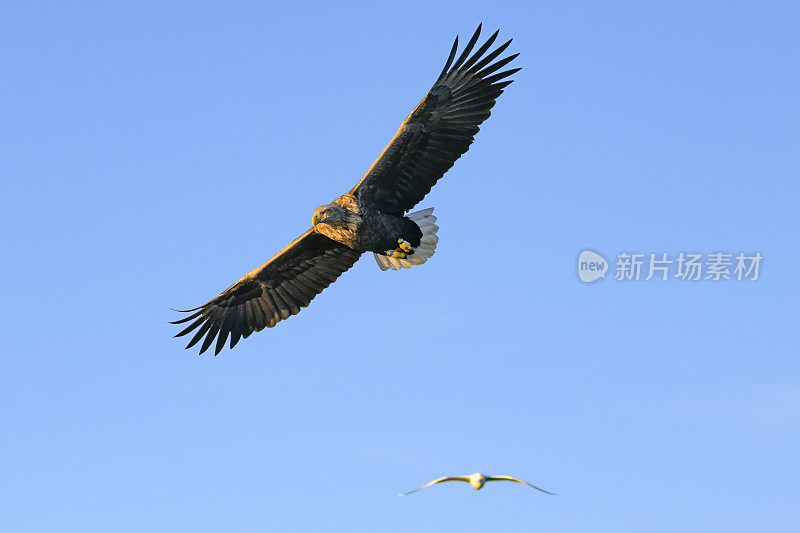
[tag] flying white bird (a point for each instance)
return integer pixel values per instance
(477, 480)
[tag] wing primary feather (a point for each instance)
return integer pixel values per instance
(238, 322)
(476, 104)
(480, 51)
(209, 338)
(468, 48)
(199, 335)
(224, 329)
(503, 84)
(234, 339)
(500, 76)
(187, 310)
(188, 318)
(494, 53)
(495, 66)
(221, 338)
(464, 71)
(191, 326)
(449, 59)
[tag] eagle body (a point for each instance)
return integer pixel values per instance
(359, 226)
(374, 216)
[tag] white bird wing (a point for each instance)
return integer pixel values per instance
(438, 480)
(515, 480)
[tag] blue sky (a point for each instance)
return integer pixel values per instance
(152, 153)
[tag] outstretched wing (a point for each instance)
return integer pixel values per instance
(515, 480)
(438, 480)
(272, 292)
(439, 130)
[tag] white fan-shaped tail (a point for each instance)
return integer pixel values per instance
(427, 246)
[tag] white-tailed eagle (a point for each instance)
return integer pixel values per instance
(372, 216)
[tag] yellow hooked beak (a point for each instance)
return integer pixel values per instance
(315, 219)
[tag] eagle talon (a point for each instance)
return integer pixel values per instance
(405, 246)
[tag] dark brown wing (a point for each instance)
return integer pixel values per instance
(439, 130)
(276, 290)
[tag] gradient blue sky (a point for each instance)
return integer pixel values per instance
(151, 154)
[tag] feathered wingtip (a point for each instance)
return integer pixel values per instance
(187, 318)
(207, 329)
(477, 64)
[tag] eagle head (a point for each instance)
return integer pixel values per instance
(332, 215)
